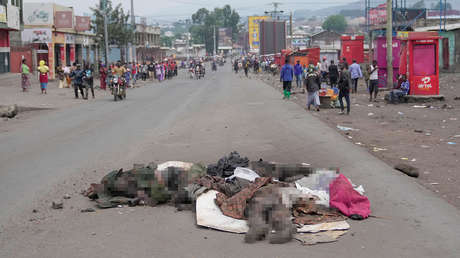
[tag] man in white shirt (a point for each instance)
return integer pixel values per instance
(373, 81)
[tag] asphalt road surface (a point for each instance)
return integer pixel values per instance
(195, 120)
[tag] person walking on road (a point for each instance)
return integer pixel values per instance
(103, 76)
(373, 81)
(286, 76)
(25, 73)
(324, 69)
(88, 75)
(298, 74)
(333, 74)
(344, 89)
(312, 83)
(355, 74)
(246, 67)
(61, 76)
(77, 77)
(43, 76)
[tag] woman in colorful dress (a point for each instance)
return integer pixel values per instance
(25, 72)
(43, 76)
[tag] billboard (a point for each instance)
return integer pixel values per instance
(37, 35)
(253, 31)
(13, 17)
(378, 15)
(272, 37)
(63, 19)
(225, 38)
(38, 14)
(82, 23)
(2, 14)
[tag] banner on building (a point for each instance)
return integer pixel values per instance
(63, 19)
(82, 23)
(2, 14)
(37, 36)
(38, 14)
(13, 17)
(378, 15)
(58, 38)
(225, 38)
(253, 30)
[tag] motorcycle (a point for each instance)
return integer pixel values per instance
(118, 88)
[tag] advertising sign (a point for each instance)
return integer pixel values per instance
(82, 23)
(378, 15)
(63, 19)
(13, 17)
(37, 35)
(59, 38)
(38, 14)
(253, 29)
(225, 38)
(2, 13)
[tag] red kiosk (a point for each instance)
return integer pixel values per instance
(419, 59)
(353, 48)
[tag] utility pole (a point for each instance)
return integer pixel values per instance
(214, 38)
(106, 33)
(389, 44)
(132, 50)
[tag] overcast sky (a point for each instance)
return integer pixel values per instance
(177, 9)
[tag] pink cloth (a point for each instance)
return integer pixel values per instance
(348, 200)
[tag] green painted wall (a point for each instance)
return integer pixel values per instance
(451, 36)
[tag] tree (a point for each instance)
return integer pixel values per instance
(335, 23)
(204, 22)
(119, 30)
(419, 5)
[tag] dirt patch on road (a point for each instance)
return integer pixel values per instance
(427, 138)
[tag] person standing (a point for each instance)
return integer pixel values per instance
(355, 74)
(61, 77)
(373, 81)
(344, 89)
(298, 74)
(77, 77)
(88, 75)
(43, 76)
(312, 83)
(67, 76)
(103, 76)
(246, 67)
(25, 72)
(324, 69)
(286, 76)
(333, 74)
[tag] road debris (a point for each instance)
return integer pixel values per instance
(451, 143)
(8, 111)
(57, 205)
(88, 210)
(343, 128)
(407, 169)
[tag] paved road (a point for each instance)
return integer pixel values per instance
(201, 120)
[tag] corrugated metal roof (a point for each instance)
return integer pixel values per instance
(449, 27)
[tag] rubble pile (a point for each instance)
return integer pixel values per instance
(264, 200)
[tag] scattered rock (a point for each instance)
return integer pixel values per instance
(407, 169)
(57, 205)
(457, 98)
(418, 131)
(88, 210)
(445, 106)
(66, 196)
(8, 111)
(35, 211)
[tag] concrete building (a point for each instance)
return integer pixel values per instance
(147, 42)
(58, 36)
(10, 21)
(329, 42)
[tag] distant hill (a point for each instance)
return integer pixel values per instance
(324, 12)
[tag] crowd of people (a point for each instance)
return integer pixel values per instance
(81, 77)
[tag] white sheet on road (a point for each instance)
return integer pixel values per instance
(208, 214)
(328, 226)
